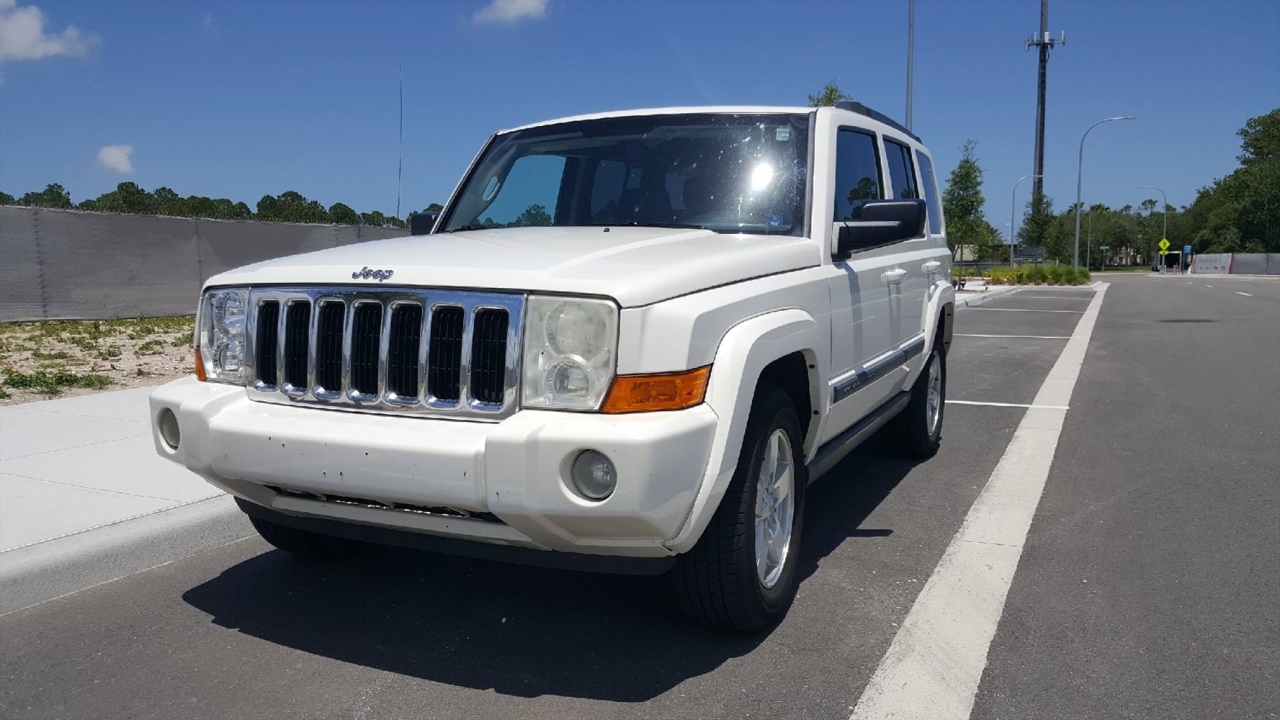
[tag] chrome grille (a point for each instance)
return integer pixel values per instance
(416, 351)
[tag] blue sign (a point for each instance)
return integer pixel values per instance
(1186, 249)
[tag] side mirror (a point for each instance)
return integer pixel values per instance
(421, 223)
(882, 222)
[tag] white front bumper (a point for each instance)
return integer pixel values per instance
(515, 469)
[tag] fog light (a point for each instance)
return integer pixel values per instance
(594, 476)
(167, 423)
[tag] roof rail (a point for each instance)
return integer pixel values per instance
(861, 109)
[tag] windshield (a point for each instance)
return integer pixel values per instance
(722, 172)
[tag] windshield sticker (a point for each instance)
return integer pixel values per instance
(783, 134)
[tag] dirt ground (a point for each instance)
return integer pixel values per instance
(60, 358)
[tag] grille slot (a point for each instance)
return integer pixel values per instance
(366, 335)
(444, 361)
(489, 356)
(330, 327)
(402, 351)
(268, 335)
(407, 351)
(297, 337)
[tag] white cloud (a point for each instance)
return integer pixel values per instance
(209, 27)
(499, 12)
(117, 157)
(22, 35)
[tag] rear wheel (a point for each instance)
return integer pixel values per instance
(300, 542)
(917, 431)
(742, 573)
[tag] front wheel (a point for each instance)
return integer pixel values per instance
(917, 431)
(742, 573)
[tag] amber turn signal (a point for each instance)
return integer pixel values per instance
(669, 391)
(200, 367)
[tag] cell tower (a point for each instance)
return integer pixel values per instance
(1045, 43)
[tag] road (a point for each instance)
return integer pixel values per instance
(1146, 587)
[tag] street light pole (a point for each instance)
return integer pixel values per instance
(1164, 234)
(1088, 262)
(1075, 258)
(1013, 207)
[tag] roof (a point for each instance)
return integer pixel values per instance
(853, 107)
(736, 109)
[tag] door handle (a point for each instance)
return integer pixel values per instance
(893, 276)
(931, 267)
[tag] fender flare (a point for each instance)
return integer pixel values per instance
(940, 308)
(744, 352)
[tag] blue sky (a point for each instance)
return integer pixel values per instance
(239, 99)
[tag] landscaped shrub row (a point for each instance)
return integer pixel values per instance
(1038, 275)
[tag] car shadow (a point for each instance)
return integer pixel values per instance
(516, 630)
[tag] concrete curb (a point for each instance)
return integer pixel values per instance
(47, 570)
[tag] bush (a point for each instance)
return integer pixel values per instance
(1036, 274)
(53, 383)
(1003, 275)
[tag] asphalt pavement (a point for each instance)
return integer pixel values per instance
(1147, 586)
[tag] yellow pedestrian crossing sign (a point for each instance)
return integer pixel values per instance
(1163, 253)
(1164, 245)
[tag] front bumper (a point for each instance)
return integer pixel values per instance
(502, 483)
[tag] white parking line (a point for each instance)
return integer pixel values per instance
(1244, 294)
(1056, 297)
(935, 663)
(1012, 405)
(1208, 286)
(1021, 337)
(1073, 312)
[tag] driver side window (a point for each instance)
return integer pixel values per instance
(529, 195)
(858, 176)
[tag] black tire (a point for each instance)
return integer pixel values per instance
(301, 543)
(909, 434)
(716, 582)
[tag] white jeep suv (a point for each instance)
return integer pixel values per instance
(627, 344)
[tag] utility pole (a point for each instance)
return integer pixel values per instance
(911, 52)
(1044, 43)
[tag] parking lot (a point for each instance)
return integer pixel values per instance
(1145, 586)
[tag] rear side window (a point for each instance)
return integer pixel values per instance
(901, 172)
(857, 174)
(930, 183)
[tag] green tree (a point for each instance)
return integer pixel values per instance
(7, 199)
(375, 218)
(828, 96)
(962, 203)
(126, 198)
(533, 216)
(1260, 139)
(1037, 221)
(434, 207)
(292, 206)
(53, 196)
(342, 214)
(168, 202)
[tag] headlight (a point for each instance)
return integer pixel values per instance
(223, 318)
(570, 349)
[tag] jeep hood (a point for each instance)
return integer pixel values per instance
(633, 265)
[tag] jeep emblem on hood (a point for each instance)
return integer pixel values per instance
(366, 274)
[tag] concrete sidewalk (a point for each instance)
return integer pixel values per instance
(75, 464)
